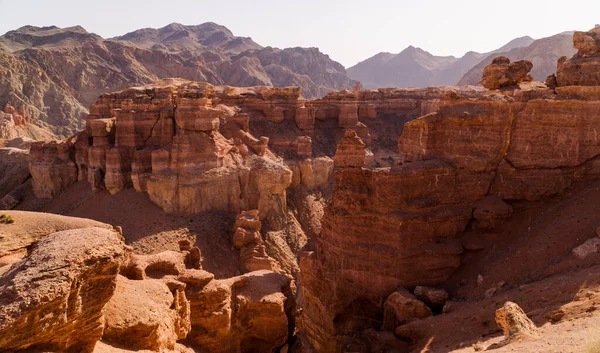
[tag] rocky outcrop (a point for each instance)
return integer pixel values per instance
(192, 147)
(30, 227)
(165, 298)
(14, 125)
(53, 300)
(148, 314)
(543, 54)
(433, 297)
(52, 75)
(582, 69)
(247, 239)
(514, 323)
(501, 73)
(252, 312)
(400, 308)
(14, 176)
(400, 226)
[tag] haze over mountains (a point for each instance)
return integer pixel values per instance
(52, 75)
(415, 67)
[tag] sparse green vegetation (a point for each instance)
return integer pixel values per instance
(5, 219)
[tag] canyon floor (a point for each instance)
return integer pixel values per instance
(527, 260)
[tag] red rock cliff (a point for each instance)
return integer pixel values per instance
(400, 226)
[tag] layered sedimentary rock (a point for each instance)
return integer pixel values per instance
(250, 313)
(399, 226)
(247, 239)
(53, 300)
(194, 147)
(14, 125)
(150, 314)
(53, 75)
(165, 298)
(583, 69)
(14, 176)
(501, 72)
(29, 227)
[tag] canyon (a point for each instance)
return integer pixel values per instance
(190, 216)
(52, 75)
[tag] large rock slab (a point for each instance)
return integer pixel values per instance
(147, 314)
(30, 227)
(53, 300)
(252, 312)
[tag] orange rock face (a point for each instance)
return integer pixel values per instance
(399, 226)
(501, 72)
(252, 312)
(192, 147)
(148, 314)
(74, 273)
(584, 67)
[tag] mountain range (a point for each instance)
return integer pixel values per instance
(52, 75)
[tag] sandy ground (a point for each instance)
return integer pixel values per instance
(146, 227)
(527, 260)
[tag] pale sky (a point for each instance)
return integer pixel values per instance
(348, 31)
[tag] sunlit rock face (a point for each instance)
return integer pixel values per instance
(400, 226)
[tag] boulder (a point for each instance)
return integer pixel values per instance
(584, 67)
(249, 313)
(53, 300)
(489, 212)
(589, 247)
(435, 298)
(501, 73)
(147, 314)
(401, 307)
(514, 323)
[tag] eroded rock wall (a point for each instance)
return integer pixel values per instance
(399, 226)
(194, 147)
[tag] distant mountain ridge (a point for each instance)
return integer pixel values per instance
(52, 75)
(543, 53)
(415, 67)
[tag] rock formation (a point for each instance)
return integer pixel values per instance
(52, 75)
(248, 240)
(148, 314)
(514, 323)
(14, 176)
(400, 226)
(401, 307)
(28, 228)
(252, 312)
(543, 54)
(191, 146)
(53, 300)
(77, 284)
(582, 69)
(501, 73)
(14, 125)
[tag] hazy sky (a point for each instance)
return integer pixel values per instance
(348, 31)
